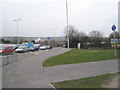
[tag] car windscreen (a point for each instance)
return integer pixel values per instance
(20, 48)
(43, 46)
(1, 48)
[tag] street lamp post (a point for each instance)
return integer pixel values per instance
(17, 20)
(55, 36)
(67, 25)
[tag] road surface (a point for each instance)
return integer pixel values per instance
(28, 73)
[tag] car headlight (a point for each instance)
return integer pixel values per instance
(1, 51)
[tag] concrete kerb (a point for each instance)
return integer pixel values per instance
(52, 86)
(82, 78)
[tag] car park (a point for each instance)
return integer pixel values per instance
(6, 50)
(21, 49)
(43, 47)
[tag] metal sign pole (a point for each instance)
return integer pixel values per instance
(114, 28)
(114, 46)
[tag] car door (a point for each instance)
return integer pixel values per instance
(7, 50)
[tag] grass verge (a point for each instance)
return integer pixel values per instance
(80, 56)
(91, 82)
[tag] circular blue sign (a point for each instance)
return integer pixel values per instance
(48, 38)
(113, 27)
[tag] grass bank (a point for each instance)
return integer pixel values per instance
(80, 56)
(91, 82)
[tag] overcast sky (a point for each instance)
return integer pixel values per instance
(48, 17)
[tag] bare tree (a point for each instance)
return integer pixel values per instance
(72, 32)
(96, 38)
(75, 36)
(117, 35)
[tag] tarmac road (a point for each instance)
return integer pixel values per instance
(28, 73)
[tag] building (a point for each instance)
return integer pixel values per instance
(55, 41)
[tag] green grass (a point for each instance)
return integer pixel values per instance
(80, 56)
(91, 82)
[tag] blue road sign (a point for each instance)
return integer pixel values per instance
(48, 38)
(113, 27)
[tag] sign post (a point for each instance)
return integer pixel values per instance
(48, 40)
(113, 29)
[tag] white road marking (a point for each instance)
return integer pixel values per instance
(26, 53)
(20, 54)
(30, 52)
(3, 56)
(36, 53)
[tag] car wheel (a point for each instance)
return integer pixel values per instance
(12, 53)
(3, 54)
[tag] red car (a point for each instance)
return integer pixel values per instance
(5, 50)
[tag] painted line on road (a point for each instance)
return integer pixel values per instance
(52, 86)
(26, 53)
(36, 53)
(20, 54)
(2, 56)
(41, 52)
(31, 52)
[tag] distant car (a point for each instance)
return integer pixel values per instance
(33, 48)
(43, 47)
(21, 49)
(49, 47)
(64, 46)
(37, 45)
(6, 50)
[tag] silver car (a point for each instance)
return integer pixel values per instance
(43, 47)
(21, 49)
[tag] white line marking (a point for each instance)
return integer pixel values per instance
(30, 52)
(36, 53)
(26, 53)
(20, 54)
(3, 56)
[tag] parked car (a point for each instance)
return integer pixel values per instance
(15, 46)
(49, 47)
(33, 48)
(6, 50)
(43, 47)
(21, 49)
(37, 45)
(64, 46)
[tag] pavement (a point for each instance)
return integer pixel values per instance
(28, 73)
